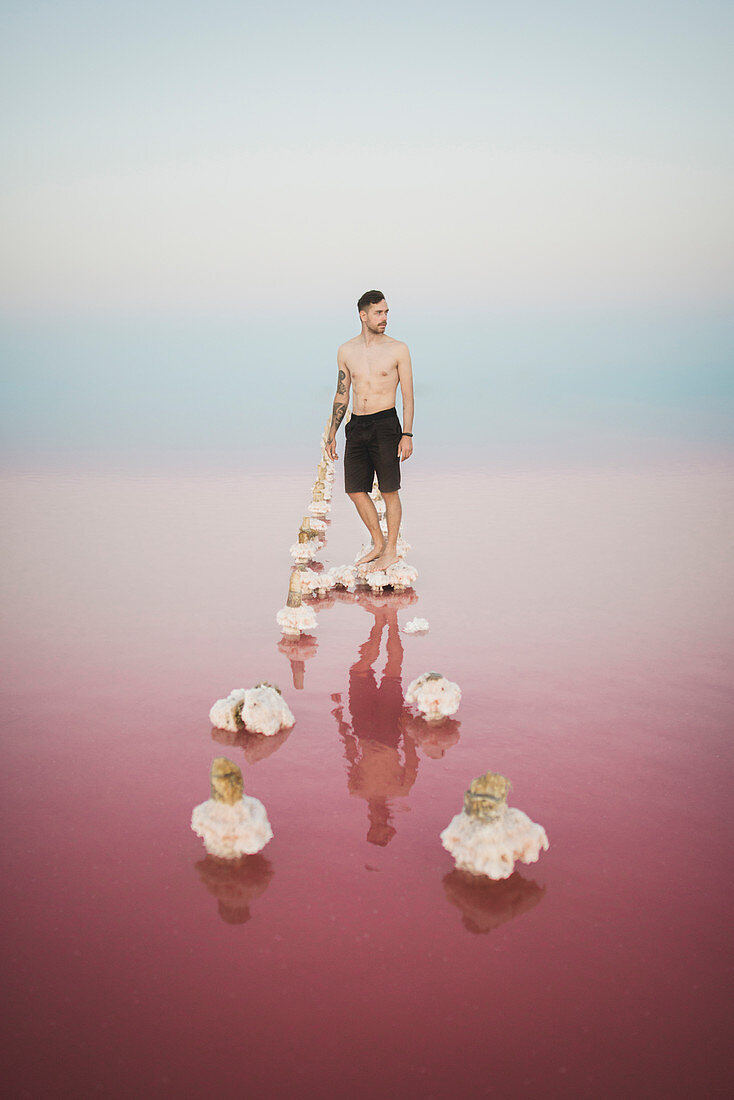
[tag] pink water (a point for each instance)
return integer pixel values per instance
(586, 616)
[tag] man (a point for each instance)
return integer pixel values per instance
(373, 365)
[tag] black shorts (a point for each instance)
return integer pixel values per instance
(372, 448)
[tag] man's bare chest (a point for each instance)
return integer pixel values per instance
(375, 367)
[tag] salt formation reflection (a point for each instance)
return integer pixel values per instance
(485, 904)
(433, 738)
(298, 651)
(235, 883)
(255, 746)
(380, 741)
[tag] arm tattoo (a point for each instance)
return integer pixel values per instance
(337, 416)
(341, 386)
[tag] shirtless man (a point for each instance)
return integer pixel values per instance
(374, 365)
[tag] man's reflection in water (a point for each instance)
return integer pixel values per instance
(485, 904)
(235, 883)
(382, 763)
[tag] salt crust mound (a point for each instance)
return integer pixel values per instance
(397, 575)
(311, 581)
(306, 551)
(264, 710)
(344, 576)
(261, 709)
(232, 831)
(296, 620)
(491, 847)
(225, 714)
(416, 626)
(434, 695)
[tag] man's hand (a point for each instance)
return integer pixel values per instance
(405, 448)
(331, 447)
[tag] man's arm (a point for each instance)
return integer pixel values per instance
(341, 403)
(405, 377)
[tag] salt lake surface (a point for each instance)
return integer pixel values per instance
(587, 616)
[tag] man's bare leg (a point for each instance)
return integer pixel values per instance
(394, 664)
(368, 514)
(393, 514)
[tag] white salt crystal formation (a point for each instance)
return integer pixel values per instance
(400, 576)
(324, 478)
(397, 576)
(225, 714)
(416, 626)
(316, 584)
(295, 618)
(402, 547)
(378, 500)
(488, 836)
(230, 823)
(261, 709)
(306, 550)
(310, 541)
(327, 465)
(344, 576)
(377, 579)
(321, 496)
(311, 529)
(264, 710)
(434, 695)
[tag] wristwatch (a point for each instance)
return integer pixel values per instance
(408, 433)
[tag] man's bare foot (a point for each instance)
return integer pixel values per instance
(371, 554)
(385, 560)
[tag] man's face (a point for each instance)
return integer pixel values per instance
(375, 317)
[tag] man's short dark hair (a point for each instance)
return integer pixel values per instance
(370, 298)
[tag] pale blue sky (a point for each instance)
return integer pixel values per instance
(538, 189)
(183, 156)
(115, 82)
